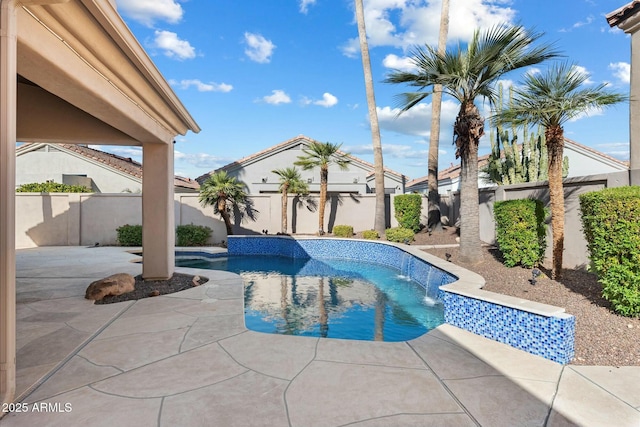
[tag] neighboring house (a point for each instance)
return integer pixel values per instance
(256, 172)
(583, 161)
(80, 165)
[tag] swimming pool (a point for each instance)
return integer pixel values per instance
(330, 298)
(536, 328)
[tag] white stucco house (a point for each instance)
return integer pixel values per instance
(256, 172)
(583, 161)
(77, 164)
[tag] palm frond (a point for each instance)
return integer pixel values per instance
(556, 96)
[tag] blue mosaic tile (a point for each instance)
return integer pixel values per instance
(422, 272)
(549, 337)
(198, 255)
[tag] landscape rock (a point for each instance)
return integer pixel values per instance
(116, 284)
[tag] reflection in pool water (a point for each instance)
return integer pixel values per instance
(329, 298)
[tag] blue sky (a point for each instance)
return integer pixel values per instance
(256, 73)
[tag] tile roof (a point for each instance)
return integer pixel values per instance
(291, 142)
(623, 13)
(123, 164)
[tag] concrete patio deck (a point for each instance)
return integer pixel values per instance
(186, 359)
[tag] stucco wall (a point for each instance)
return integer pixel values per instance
(575, 253)
(86, 219)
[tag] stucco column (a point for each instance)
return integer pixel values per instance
(8, 87)
(158, 223)
(634, 110)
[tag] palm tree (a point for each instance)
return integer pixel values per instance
(290, 182)
(378, 164)
(322, 155)
(223, 192)
(433, 210)
(467, 74)
(550, 100)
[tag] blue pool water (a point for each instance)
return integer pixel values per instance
(332, 298)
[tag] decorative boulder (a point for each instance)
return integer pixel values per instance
(116, 284)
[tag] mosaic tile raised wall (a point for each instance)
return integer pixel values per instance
(549, 337)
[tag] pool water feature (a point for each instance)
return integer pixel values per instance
(328, 297)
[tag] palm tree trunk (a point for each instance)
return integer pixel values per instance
(284, 208)
(469, 127)
(222, 209)
(555, 146)
(433, 218)
(378, 166)
(322, 309)
(324, 178)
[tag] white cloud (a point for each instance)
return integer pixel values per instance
(404, 23)
(351, 48)
(591, 112)
(583, 71)
(202, 160)
(588, 20)
(395, 62)
(277, 97)
(304, 5)
(417, 121)
(258, 48)
(148, 11)
(327, 100)
(621, 70)
(172, 46)
(389, 150)
(202, 87)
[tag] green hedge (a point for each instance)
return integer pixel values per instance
(370, 235)
(52, 187)
(186, 235)
(520, 231)
(192, 235)
(343, 231)
(130, 235)
(611, 226)
(408, 208)
(399, 234)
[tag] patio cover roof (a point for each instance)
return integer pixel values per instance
(80, 64)
(71, 71)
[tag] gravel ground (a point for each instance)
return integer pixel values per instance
(153, 288)
(602, 337)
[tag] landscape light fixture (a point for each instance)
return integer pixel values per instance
(534, 275)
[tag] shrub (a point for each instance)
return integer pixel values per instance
(130, 235)
(370, 235)
(520, 231)
(408, 208)
(343, 231)
(52, 187)
(399, 234)
(611, 225)
(192, 235)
